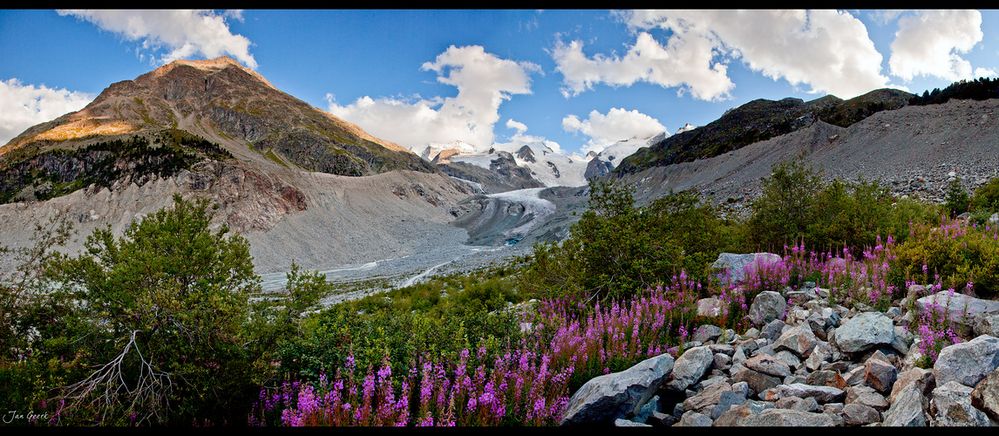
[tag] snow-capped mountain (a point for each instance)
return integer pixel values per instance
(550, 167)
(603, 162)
(686, 127)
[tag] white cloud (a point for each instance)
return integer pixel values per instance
(521, 138)
(686, 60)
(985, 72)
(929, 43)
(516, 125)
(606, 129)
(828, 50)
(885, 16)
(483, 80)
(25, 105)
(185, 33)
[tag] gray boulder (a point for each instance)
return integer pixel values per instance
(694, 419)
(907, 410)
(822, 394)
(880, 375)
(758, 382)
(865, 331)
(610, 396)
(867, 396)
(962, 309)
(987, 325)
(690, 367)
(772, 331)
(859, 414)
(766, 307)
(706, 332)
(621, 422)
(985, 396)
(736, 264)
(737, 415)
(919, 377)
(799, 340)
(968, 362)
(726, 401)
(768, 365)
(789, 418)
(802, 404)
(952, 403)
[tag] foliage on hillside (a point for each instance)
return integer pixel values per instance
(58, 172)
(982, 88)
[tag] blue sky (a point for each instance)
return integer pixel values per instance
(548, 71)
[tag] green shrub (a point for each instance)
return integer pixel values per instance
(796, 205)
(164, 310)
(957, 198)
(959, 253)
(617, 249)
(785, 207)
(986, 197)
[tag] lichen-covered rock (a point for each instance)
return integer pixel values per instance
(709, 307)
(766, 307)
(789, 418)
(860, 414)
(968, 362)
(767, 364)
(962, 309)
(694, 419)
(690, 367)
(985, 396)
(907, 409)
(734, 266)
(880, 375)
(758, 382)
(865, 331)
(607, 397)
(822, 394)
(952, 405)
(799, 340)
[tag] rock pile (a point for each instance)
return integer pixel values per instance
(821, 364)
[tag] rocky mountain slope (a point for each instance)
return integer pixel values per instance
(914, 150)
(225, 103)
(760, 120)
(299, 183)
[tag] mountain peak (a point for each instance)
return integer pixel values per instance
(207, 65)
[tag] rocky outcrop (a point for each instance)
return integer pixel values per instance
(785, 375)
(620, 394)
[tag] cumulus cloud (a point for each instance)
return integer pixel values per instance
(184, 33)
(686, 60)
(606, 129)
(930, 43)
(521, 138)
(25, 105)
(483, 80)
(830, 51)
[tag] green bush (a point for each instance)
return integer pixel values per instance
(617, 249)
(796, 205)
(986, 197)
(435, 319)
(957, 199)
(163, 310)
(784, 210)
(959, 253)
